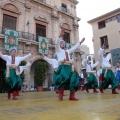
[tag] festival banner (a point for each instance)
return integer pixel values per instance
(115, 53)
(11, 40)
(43, 45)
(68, 46)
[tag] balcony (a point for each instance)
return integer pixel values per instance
(25, 35)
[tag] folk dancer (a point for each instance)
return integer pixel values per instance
(65, 74)
(99, 74)
(108, 77)
(12, 79)
(81, 79)
(91, 78)
(54, 63)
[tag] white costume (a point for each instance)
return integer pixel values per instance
(53, 62)
(8, 59)
(104, 61)
(61, 52)
(89, 68)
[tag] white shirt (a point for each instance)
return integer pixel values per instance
(104, 61)
(24, 67)
(81, 75)
(61, 52)
(8, 59)
(99, 72)
(89, 68)
(53, 62)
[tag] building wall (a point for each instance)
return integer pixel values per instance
(47, 13)
(112, 30)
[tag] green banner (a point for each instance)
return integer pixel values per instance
(68, 46)
(115, 53)
(11, 39)
(43, 45)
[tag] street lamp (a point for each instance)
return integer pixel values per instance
(28, 25)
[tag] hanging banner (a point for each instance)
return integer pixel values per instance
(115, 53)
(68, 46)
(11, 39)
(43, 45)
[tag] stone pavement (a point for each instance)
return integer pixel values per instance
(46, 106)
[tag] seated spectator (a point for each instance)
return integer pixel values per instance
(23, 88)
(52, 87)
(32, 89)
(27, 88)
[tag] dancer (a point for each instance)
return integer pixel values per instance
(99, 74)
(91, 78)
(108, 77)
(54, 64)
(11, 74)
(118, 74)
(81, 79)
(65, 74)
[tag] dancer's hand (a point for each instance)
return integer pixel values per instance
(62, 33)
(82, 40)
(33, 52)
(42, 55)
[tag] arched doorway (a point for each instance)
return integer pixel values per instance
(2, 68)
(49, 74)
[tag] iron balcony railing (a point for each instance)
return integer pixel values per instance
(25, 35)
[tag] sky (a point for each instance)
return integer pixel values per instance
(89, 9)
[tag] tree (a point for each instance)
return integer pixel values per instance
(40, 73)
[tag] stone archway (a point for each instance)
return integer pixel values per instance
(2, 68)
(49, 74)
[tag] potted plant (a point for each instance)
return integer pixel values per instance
(40, 75)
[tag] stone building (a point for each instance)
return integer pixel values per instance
(33, 18)
(106, 30)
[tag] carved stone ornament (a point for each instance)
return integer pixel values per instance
(65, 26)
(41, 18)
(54, 14)
(10, 7)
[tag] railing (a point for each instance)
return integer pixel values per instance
(26, 35)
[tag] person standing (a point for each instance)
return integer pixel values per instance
(117, 71)
(11, 74)
(108, 77)
(91, 78)
(65, 73)
(81, 79)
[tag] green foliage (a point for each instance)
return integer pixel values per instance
(22, 75)
(40, 73)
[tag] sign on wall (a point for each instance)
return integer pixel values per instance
(11, 39)
(68, 46)
(43, 45)
(115, 56)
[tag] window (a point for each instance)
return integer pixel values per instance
(66, 37)
(104, 41)
(9, 22)
(101, 24)
(118, 17)
(64, 8)
(40, 30)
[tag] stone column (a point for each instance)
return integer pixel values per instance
(76, 31)
(55, 27)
